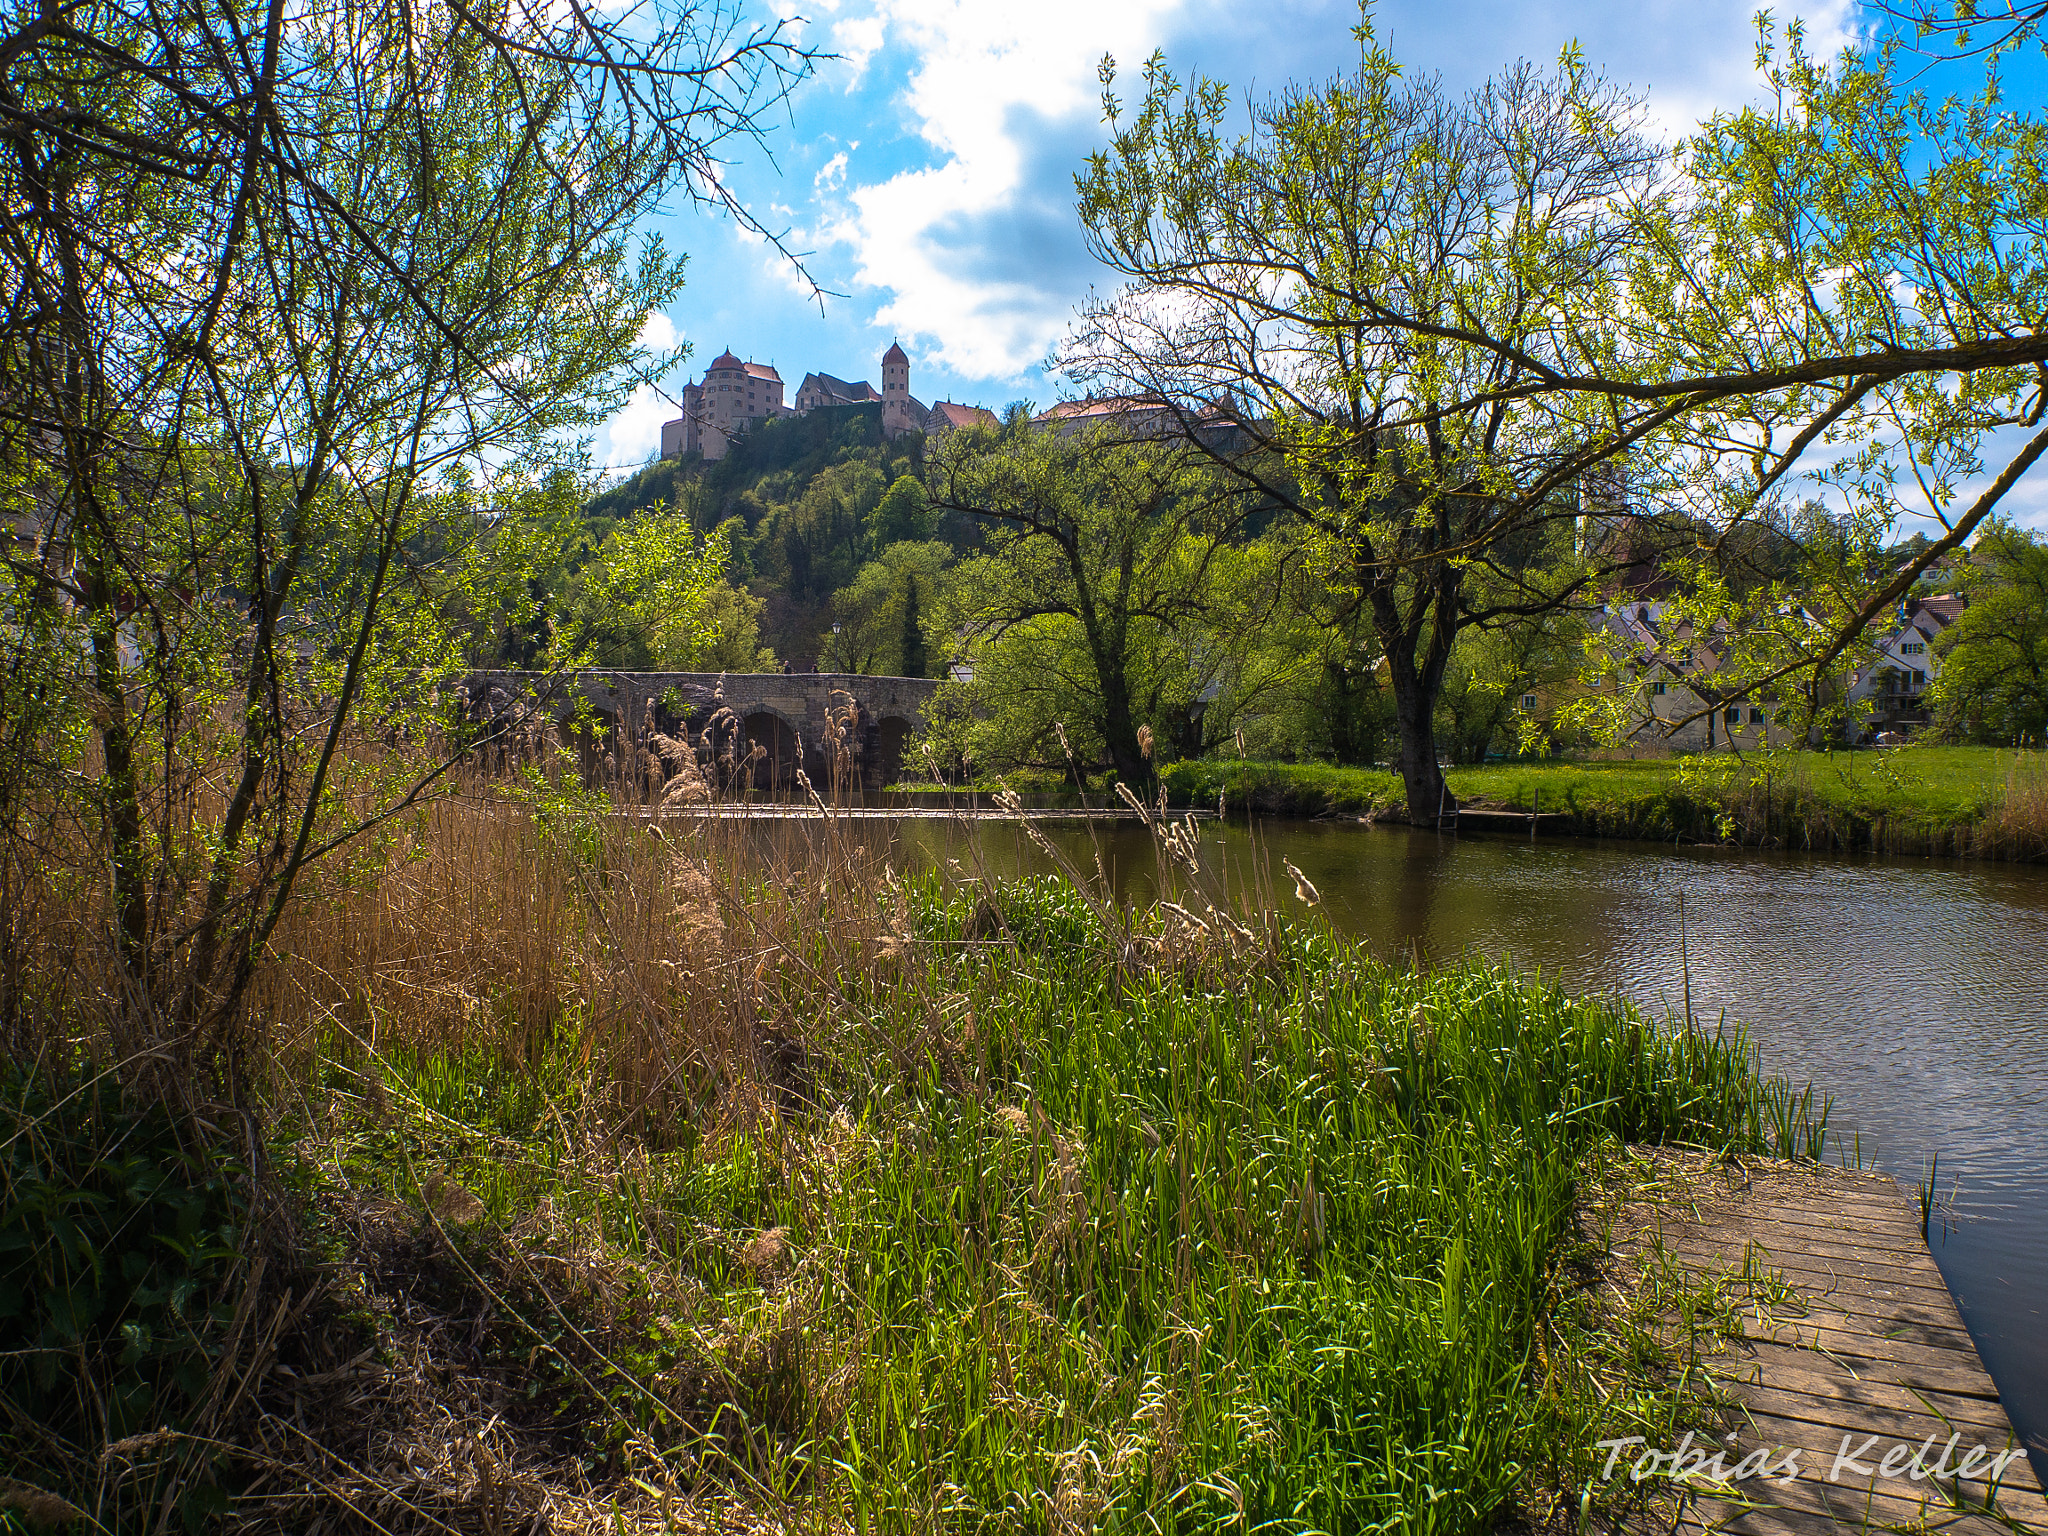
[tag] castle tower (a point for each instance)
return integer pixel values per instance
(896, 413)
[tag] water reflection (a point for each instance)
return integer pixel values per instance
(1910, 990)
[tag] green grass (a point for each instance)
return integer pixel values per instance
(1268, 1240)
(1938, 785)
(1908, 799)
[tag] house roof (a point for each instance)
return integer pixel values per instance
(763, 371)
(952, 415)
(1945, 609)
(1102, 405)
(895, 354)
(726, 359)
(840, 391)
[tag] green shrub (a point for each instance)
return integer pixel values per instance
(120, 1241)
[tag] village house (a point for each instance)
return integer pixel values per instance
(948, 416)
(1670, 672)
(1142, 418)
(1892, 689)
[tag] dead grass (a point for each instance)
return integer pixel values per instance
(611, 1170)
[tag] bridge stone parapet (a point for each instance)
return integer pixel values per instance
(847, 727)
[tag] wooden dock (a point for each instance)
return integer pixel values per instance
(1852, 1351)
(1494, 819)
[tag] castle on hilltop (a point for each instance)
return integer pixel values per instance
(737, 396)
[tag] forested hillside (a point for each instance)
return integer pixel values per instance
(1147, 594)
(819, 521)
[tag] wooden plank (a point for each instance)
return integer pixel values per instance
(1867, 1344)
(1816, 1275)
(1785, 1417)
(1909, 1365)
(1711, 1517)
(1883, 1329)
(1810, 1243)
(1774, 1241)
(1828, 1390)
(1820, 1489)
(1811, 1508)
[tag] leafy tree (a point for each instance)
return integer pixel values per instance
(1328, 700)
(1100, 551)
(1993, 682)
(304, 311)
(732, 617)
(873, 615)
(901, 516)
(1492, 671)
(1344, 308)
(1967, 28)
(1841, 309)
(654, 597)
(1434, 318)
(914, 663)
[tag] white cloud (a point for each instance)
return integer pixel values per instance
(989, 78)
(632, 436)
(986, 74)
(1701, 69)
(856, 40)
(658, 333)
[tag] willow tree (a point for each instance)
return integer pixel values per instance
(1100, 548)
(1364, 285)
(305, 309)
(1843, 324)
(1433, 317)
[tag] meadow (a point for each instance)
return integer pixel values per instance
(1985, 802)
(611, 1172)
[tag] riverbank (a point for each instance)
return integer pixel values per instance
(649, 1179)
(1976, 802)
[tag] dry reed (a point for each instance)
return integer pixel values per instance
(594, 1116)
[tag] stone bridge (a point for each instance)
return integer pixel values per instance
(837, 726)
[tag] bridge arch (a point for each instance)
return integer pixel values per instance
(782, 739)
(892, 738)
(786, 713)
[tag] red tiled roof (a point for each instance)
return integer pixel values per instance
(1108, 405)
(895, 354)
(962, 415)
(1946, 609)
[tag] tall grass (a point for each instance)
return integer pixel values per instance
(648, 1169)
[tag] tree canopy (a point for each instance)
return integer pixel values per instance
(1445, 327)
(306, 309)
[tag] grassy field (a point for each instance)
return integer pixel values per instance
(647, 1182)
(1983, 801)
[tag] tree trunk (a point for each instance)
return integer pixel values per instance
(1416, 639)
(1415, 717)
(1120, 732)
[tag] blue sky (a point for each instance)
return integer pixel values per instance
(929, 169)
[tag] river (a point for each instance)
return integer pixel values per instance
(1911, 990)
